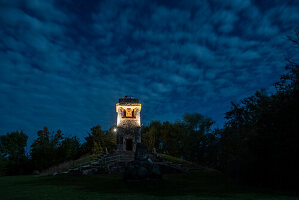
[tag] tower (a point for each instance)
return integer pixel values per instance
(128, 123)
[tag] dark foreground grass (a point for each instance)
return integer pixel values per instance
(207, 184)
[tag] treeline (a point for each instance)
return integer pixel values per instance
(49, 149)
(259, 143)
(190, 139)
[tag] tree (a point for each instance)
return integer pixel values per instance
(3, 165)
(259, 143)
(289, 82)
(151, 135)
(98, 141)
(44, 150)
(189, 139)
(12, 145)
(198, 127)
(69, 149)
(170, 139)
(12, 153)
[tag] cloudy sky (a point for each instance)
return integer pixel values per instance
(64, 64)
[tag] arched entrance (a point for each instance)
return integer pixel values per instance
(129, 144)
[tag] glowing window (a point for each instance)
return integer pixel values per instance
(129, 112)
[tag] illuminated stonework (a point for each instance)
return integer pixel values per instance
(128, 113)
(128, 123)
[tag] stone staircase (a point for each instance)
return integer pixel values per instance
(117, 162)
(106, 163)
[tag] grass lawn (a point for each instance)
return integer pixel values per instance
(207, 184)
(177, 160)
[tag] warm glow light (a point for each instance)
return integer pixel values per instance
(128, 108)
(115, 129)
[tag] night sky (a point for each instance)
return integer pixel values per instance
(64, 64)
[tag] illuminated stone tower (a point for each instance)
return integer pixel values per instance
(128, 123)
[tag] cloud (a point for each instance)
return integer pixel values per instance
(64, 65)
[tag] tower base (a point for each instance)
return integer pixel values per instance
(128, 138)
